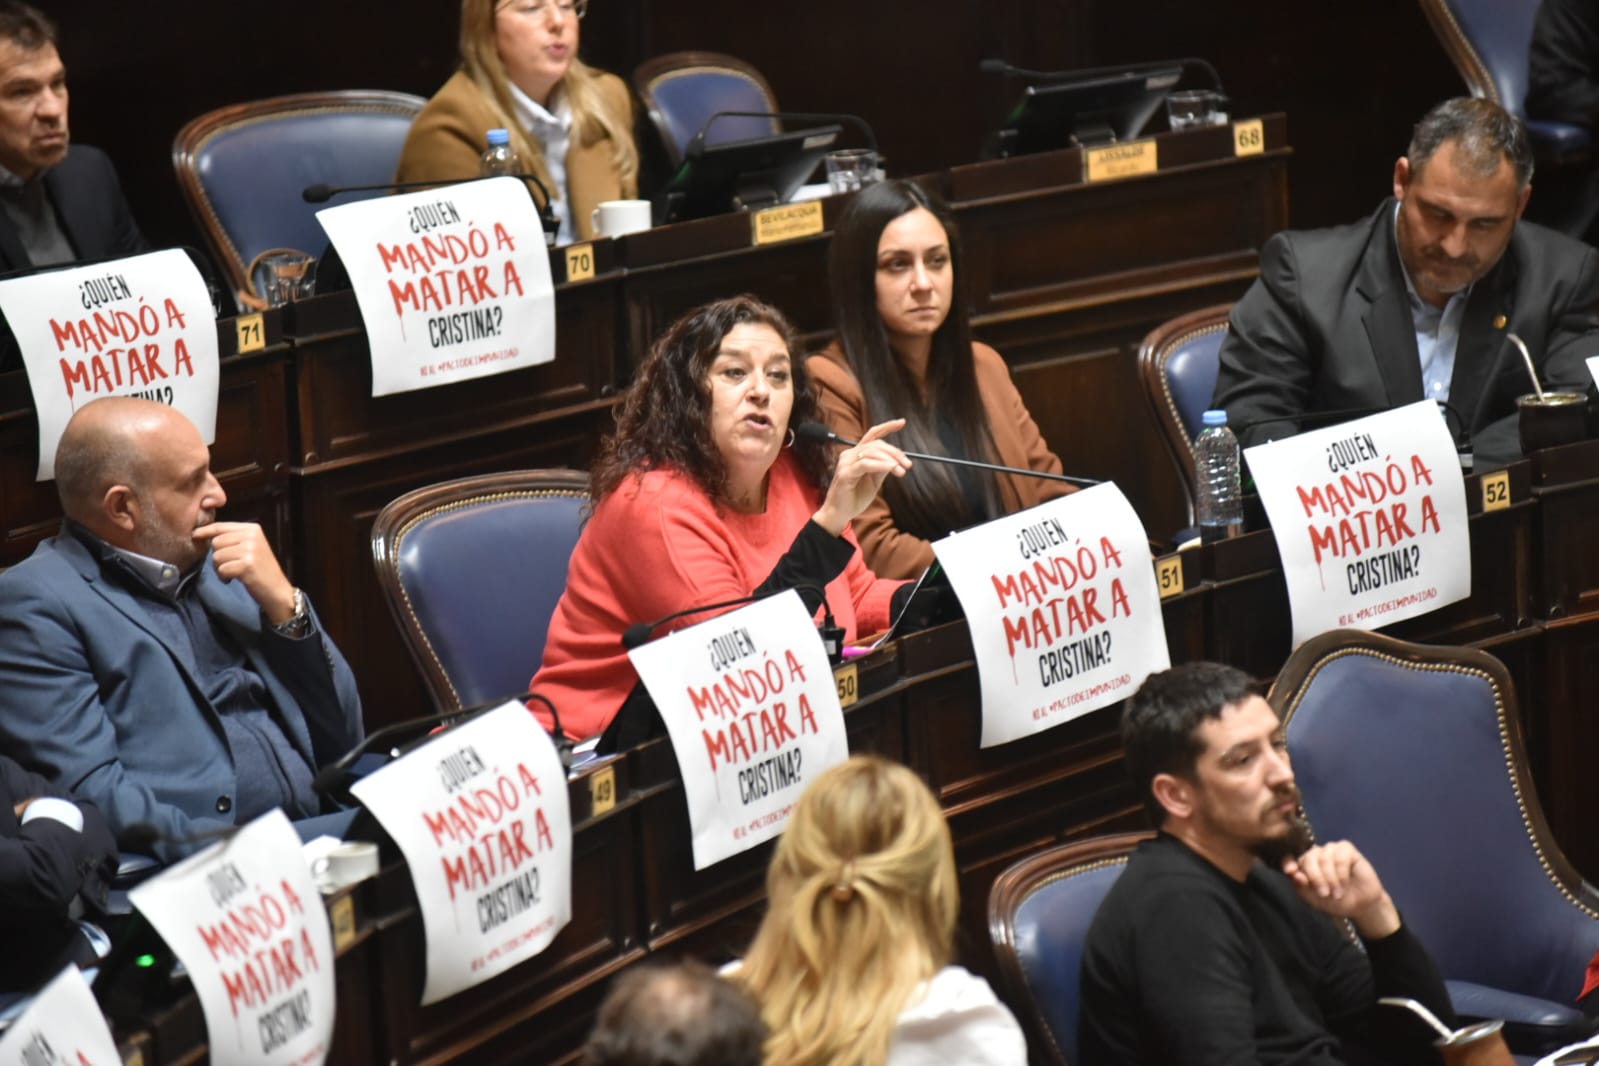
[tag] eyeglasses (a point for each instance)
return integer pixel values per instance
(538, 9)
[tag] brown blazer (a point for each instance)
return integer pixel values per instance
(447, 140)
(889, 552)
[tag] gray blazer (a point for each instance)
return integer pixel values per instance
(95, 700)
(1327, 327)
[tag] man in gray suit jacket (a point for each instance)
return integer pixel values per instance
(1415, 302)
(156, 661)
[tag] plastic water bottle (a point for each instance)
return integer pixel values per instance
(1220, 507)
(499, 157)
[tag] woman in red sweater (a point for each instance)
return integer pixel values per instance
(703, 495)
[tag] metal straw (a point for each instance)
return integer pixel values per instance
(1526, 357)
(1416, 1008)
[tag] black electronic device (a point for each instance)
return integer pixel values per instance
(1098, 107)
(742, 175)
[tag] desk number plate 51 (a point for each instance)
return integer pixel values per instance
(1169, 576)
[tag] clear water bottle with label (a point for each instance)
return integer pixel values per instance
(1220, 507)
(499, 157)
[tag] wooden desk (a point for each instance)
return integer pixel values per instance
(1066, 277)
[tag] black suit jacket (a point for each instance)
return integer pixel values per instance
(88, 200)
(44, 867)
(1327, 327)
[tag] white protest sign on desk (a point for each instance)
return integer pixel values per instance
(247, 921)
(480, 813)
(1370, 519)
(453, 283)
(62, 1025)
(749, 701)
(142, 326)
(1063, 609)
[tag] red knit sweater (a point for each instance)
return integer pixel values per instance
(660, 545)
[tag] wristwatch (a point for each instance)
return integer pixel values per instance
(299, 622)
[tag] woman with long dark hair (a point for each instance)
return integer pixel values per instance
(904, 349)
(704, 495)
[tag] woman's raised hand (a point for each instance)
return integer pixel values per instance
(858, 475)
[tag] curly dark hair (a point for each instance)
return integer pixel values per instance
(664, 421)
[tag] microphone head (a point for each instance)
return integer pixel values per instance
(637, 635)
(993, 66)
(320, 193)
(814, 433)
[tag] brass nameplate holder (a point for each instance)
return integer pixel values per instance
(786, 222)
(1116, 161)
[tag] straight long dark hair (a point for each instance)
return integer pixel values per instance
(924, 502)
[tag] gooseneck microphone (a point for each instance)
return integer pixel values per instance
(321, 193)
(815, 432)
(639, 633)
(327, 781)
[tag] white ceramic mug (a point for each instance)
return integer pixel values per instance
(352, 861)
(618, 218)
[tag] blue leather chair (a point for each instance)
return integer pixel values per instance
(242, 168)
(1488, 40)
(1178, 363)
(472, 570)
(1414, 754)
(1039, 911)
(682, 90)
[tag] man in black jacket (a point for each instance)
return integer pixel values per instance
(55, 854)
(58, 202)
(1222, 942)
(1415, 301)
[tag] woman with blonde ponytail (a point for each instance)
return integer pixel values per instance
(851, 964)
(571, 125)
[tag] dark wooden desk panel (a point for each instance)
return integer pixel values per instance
(542, 1009)
(250, 456)
(338, 420)
(1067, 278)
(676, 268)
(355, 452)
(1504, 579)
(714, 912)
(1566, 482)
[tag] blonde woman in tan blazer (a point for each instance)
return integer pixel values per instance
(520, 72)
(904, 350)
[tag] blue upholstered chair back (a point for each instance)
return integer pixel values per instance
(472, 570)
(1488, 41)
(1178, 363)
(681, 92)
(242, 168)
(1415, 755)
(1039, 911)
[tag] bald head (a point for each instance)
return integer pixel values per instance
(137, 474)
(104, 445)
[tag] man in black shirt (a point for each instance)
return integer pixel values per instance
(1221, 942)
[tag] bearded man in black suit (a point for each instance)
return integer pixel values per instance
(1415, 301)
